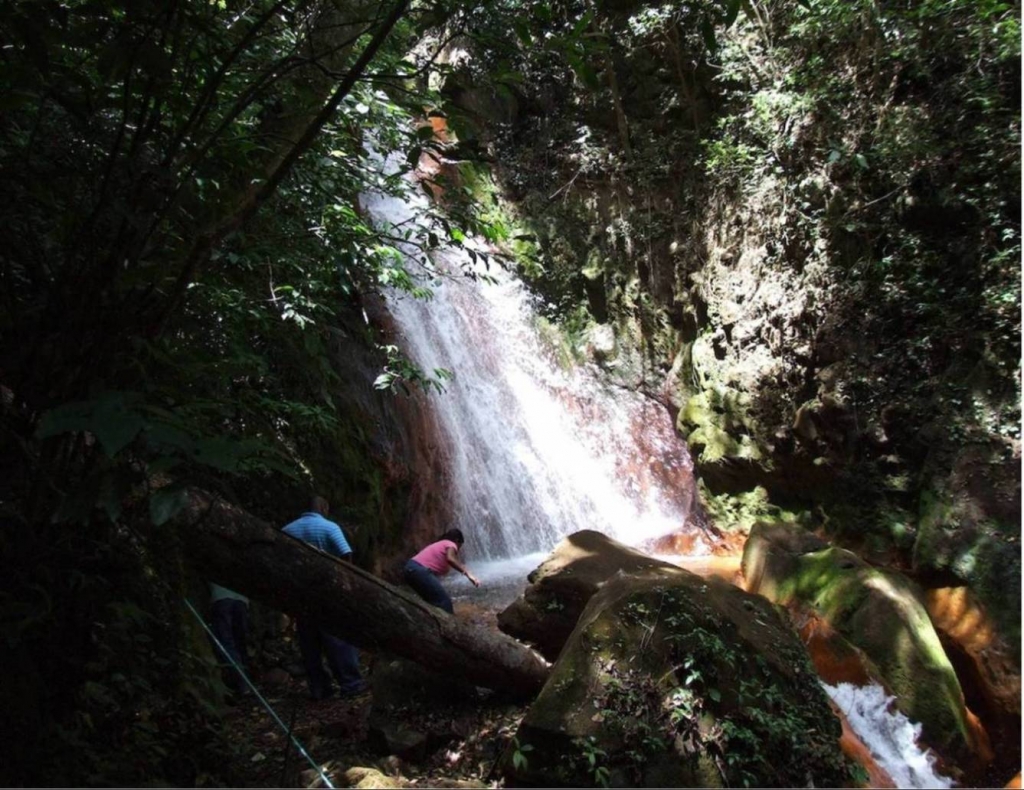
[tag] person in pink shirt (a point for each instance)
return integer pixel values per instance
(422, 571)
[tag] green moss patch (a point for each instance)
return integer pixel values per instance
(674, 680)
(877, 611)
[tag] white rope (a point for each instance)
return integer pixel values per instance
(270, 710)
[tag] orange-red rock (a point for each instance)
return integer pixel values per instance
(957, 614)
(834, 658)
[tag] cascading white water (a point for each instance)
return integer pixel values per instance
(889, 735)
(535, 452)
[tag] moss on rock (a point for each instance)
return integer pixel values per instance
(672, 680)
(739, 511)
(877, 611)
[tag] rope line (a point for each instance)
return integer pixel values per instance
(301, 749)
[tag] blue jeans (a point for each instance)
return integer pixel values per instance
(426, 585)
(342, 658)
(229, 624)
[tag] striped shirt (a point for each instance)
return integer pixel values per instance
(317, 531)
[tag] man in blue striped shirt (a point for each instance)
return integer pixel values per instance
(315, 529)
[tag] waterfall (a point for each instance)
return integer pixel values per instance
(889, 735)
(535, 452)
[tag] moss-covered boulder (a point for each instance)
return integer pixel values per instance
(672, 680)
(561, 586)
(879, 612)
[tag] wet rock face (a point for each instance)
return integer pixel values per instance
(395, 467)
(970, 529)
(563, 584)
(671, 680)
(877, 612)
(988, 673)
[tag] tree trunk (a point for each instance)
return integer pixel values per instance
(234, 548)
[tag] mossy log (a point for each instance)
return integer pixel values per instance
(237, 549)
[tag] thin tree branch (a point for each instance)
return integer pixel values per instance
(200, 110)
(207, 242)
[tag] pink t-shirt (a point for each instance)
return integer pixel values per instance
(435, 556)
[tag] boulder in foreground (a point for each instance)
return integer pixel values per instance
(672, 680)
(562, 585)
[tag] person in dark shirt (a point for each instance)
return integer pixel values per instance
(229, 613)
(314, 528)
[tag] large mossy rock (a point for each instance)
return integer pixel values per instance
(563, 584)
(673, 680)
(878, 612)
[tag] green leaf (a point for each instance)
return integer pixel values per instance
(707, 31)
(584, 71)
(523, 32)
(113, 490)
(582, 24)
(166, 503)
(110, 418)
(221, 452)
(169, 436)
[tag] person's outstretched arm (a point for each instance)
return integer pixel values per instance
(453, 560)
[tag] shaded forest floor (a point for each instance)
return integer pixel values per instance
(336, 733)
(464, 737)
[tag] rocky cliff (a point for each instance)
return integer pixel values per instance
(802, 238)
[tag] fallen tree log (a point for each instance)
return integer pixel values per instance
(235, 548)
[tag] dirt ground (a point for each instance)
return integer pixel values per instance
(336, 733)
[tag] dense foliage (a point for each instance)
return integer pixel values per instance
(184, 255)
(860, 162)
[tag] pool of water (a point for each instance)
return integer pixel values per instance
(501, 582)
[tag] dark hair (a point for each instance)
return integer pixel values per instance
(317, 504)
(455, 536)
